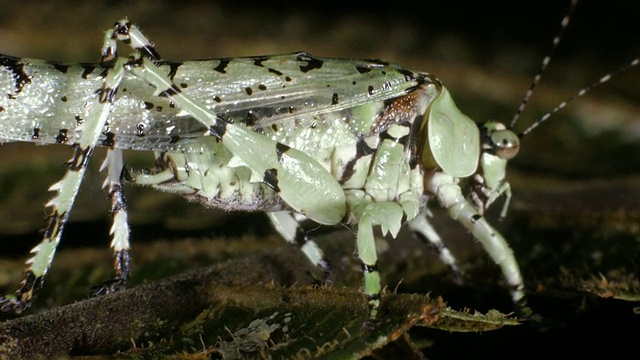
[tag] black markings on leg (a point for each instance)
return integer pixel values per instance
(219, 128)
(80, 158)
(373, 297)
(475, 218)
(106, 94)
(118, 201)
(172, 91)
(55, 222)
(301, 239)
(122, 260)
(270, 178)
(370, 268)
(121, 265)
(30, 285)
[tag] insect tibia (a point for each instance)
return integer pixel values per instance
(448, 193)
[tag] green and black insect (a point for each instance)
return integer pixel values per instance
(336, 141)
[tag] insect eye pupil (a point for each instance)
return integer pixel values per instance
(505, 144)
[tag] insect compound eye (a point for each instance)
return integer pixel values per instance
(505, 144)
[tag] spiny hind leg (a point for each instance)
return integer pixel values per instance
(119, 232)
(290, 229)
(67, 189)
(421, 228)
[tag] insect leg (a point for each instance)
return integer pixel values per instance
(67, 188)
(120, 228)
(446, 189)
(286, 224)
(389, 216)
(421, 227)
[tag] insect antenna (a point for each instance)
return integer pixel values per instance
(583, 91)
(545, 63)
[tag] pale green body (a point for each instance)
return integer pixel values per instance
(358, 142)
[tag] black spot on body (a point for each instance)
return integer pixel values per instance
(370, 89)
(334, 99)
(140, 130)
(79, 119)
(36, 133)
(62, 136)
(222, 66)
(257, 60)
(409, 76)
(271, 179)
(173, 70)
(60, 67)
(274, 71)
(262, 87)
(217, 99)
(174, 139)
(109, 140)
(252, 118)
(87, 70)
(148, 105)
(248, 90)
(363, 69)
(14, 65)
(475, 218)
(63, 99)
(312, 63)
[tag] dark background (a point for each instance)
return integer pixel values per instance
(485, 52)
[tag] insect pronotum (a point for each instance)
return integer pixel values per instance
(359, 142)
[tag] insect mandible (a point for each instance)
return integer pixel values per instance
(360, 142)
